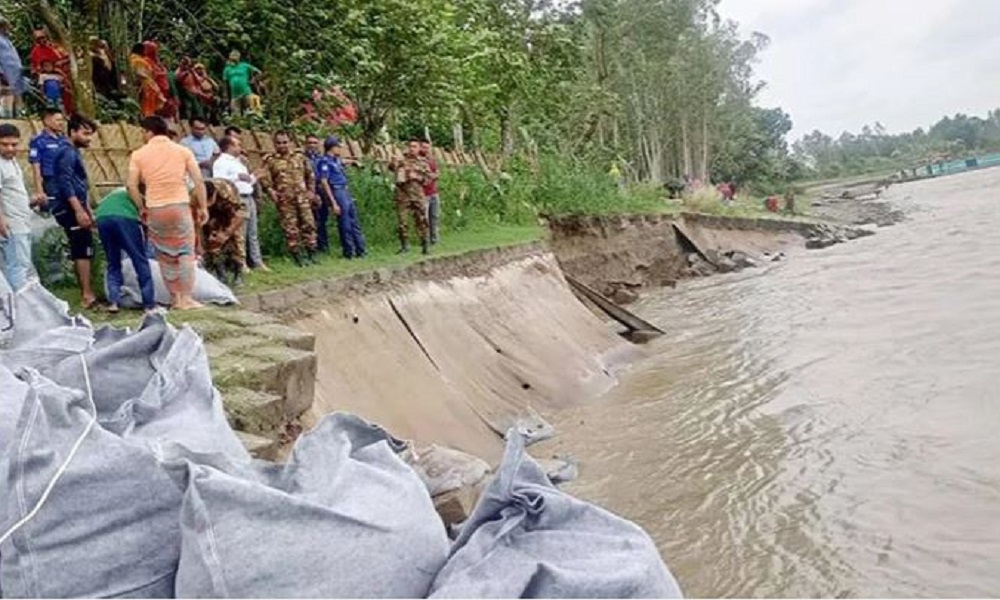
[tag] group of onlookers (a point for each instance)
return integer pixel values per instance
(188, 91)
(196, 197)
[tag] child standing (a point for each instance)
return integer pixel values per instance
(51, 84)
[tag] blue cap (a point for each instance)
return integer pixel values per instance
(331, 142)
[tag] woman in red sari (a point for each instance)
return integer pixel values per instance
(151, 99)
(45, 50)
(170, 106)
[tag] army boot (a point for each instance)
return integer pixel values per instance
(297, 258)
(425, 247)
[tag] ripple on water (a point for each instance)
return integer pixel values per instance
(825, 426)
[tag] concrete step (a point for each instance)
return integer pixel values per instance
(254, 412)
(279, 370)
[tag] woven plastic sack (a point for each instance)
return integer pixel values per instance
(345, 517)
(207, 289)
(527, 539)
(111, 524)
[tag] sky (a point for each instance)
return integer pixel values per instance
(836, 65)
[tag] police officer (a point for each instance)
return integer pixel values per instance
(42, 152)
(225, 249)
(289, 180)
(333, 181)
(322, 206)
(412, 174)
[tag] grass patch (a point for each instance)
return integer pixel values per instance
(284, 273)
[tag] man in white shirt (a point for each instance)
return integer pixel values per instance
(15, 212)
(230, 166)
(202, 145)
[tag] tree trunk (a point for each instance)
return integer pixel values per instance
(507, 131)
(458, 137)
(704, 147)
(686, 148)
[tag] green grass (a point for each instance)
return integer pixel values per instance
(284, 273)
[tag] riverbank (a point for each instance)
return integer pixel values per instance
(455, 348)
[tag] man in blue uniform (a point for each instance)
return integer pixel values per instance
(42, 153)
(333, 179)
(69, 206)
(321, 211)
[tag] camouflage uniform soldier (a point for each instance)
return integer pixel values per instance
(289, 179)
(412, 173)
(224, 242)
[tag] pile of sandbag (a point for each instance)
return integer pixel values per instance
(121, 477)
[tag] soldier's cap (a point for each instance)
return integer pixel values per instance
(331, 142)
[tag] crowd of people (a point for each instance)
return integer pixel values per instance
(188, 91)
(194, 200)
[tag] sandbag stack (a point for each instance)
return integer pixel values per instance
(118, 464)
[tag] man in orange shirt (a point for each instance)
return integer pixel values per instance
(164, 166)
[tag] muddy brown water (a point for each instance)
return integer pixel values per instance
(824, 426)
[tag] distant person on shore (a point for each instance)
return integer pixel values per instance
(70, 188)
(11, 72)
(237, 75)
(42, 151)
(203, 146)
(431, 193)
(728, 191)
(121, 232)
(223, 232)
(289, 179)
(164, 166)
(333, 180)
(15, 212)
(412, 174)
(790, 202)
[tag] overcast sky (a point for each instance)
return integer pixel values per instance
(836, 65)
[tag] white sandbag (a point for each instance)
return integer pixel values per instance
(41, 332)
(207, 289)
(110, 527)
(345, 517)
(527, 539)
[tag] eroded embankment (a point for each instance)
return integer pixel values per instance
(458, 360)
(620, 255)
(456, 350)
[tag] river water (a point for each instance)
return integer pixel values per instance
(824, 426)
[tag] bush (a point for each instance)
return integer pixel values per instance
(469, 199)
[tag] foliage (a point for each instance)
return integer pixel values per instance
(874, 150)
(663, 87)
